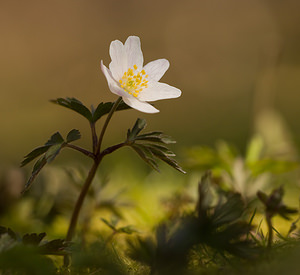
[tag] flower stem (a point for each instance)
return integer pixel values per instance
(270, 229)
(98, 156)
(115, 106)
(81, 150)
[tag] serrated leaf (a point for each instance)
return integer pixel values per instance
(146, 156)
(159, 138)
(159, 150)
(104, 108)
(52, 152)
(36, 169)
(73, 135)
(172, 162)
(34, 154)
(55, 139)
(75, 105)
(139, 125)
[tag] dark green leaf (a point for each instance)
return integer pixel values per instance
(146, 155)
(104, 108)
(55, 247)
(73, 135)
(52, 152)
(55, 139)
(229, 211)
(139, 125)
(33, 238)
(35, 153)
(172, 162)
(75, 105)
(36, 169)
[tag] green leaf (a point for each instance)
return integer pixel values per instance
(272, 166)
(55, 247)
(229, 211)
(75, 105)
(34, 154)
(35, 171)
(73, 135)
(33, 238)
(139, 125)
(52, 152)
(55, 139)
(145, 155)
(104, 108)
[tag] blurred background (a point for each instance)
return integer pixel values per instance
(236, 62)
(230, 59)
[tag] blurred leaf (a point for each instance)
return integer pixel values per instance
(104, 108)
(111, 226)
(229, 211)
(272, 166)
(274, 205)
(33, 238)
(55, 247)
(254, 149)
(73, 135)
(5, 230)
(75, 105)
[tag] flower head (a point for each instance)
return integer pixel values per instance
(135, 83)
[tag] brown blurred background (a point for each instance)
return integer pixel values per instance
(231, 59)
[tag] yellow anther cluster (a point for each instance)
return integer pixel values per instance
(134, 81)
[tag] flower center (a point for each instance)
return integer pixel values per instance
(134, 81)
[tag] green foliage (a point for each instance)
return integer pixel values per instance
(274, 205)
(47, 153)
(25, 255)
(92, 115)
(218, 227)
(151, 146)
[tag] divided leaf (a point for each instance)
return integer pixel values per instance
(47, 153)
(73, 135)
(75, 105)
(104, 108)
(151, 146)
(91, 115)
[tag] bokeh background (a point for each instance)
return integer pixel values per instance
(231, 59)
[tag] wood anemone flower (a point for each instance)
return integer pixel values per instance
(135, 83)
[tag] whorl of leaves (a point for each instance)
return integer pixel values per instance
(151, 146)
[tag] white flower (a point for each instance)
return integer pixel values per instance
(136, 84)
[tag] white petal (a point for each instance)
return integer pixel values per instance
(112, 83)
(118, 56)
(156, 69)
(134, 52)
(139, 105)
(158, 91)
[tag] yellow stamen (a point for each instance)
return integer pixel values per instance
(134, 81)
